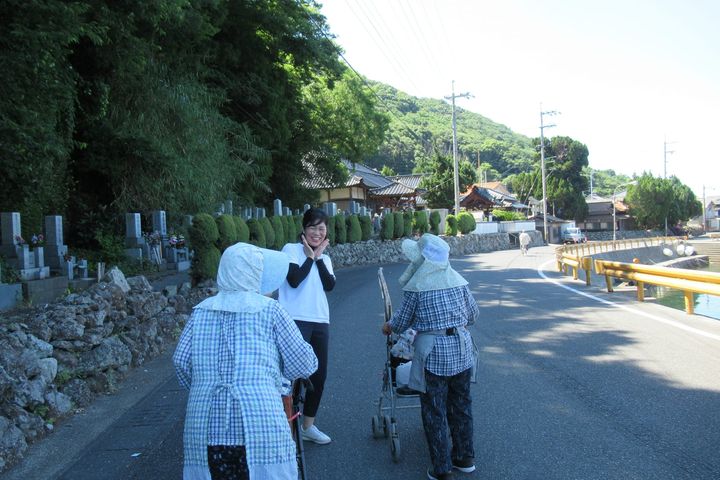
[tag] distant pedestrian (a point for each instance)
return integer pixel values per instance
(438, 304)
(303, 295)
(524, 242)
(234, 355)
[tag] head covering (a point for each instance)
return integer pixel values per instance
(247, 272)
(429, 267)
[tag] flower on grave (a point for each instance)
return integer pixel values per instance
(67, 257)
(177, 241)
(19, 240)
(152, 239)
(37, 240)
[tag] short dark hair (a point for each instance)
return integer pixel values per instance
(314, 216)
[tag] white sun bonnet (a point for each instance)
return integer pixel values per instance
(245, 274)
(430, 265)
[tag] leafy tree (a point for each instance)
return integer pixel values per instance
(387, 226)
(653, 200)
(451, 225)
(435, 222)
(439, 181)
(340, 228)
(387, 171)
(366, 227)
(354, 229)
(466, 222)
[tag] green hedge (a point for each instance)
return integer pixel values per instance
(279, 232)
(399, 229)
(451, 225)
(420, 222)
(387, 226)
(354, 229)
(242, 230)
(466, 223)
(204, 235)
(269, 232)
(505, 216)
(227, 230)
(257, 233)
(408, 218)
(366, 227)
(340, 229)
(435, 222)
(331, 230)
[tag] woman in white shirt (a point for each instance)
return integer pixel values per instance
(303, 296)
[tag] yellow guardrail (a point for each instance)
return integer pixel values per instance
(689, 281)
(578, 256)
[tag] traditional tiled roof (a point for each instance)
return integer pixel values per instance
(495, 197)
(395, 189)
(497, 186)
(359, 175)
(412, 180)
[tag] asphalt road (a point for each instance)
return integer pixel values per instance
(574, 383)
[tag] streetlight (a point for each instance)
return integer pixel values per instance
(634, 182)
(542, 168)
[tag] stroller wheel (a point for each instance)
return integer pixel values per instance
(378, 429)
(395, 448)
(386, 426)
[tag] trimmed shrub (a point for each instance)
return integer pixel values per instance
(279, 232)
(204, 231)
(291, 232)
(435, 222)
(227, 231)
(451, 225)
(366, 227)
(298, 226)
(257, 233)
(387, 226)
(399, 227)
(204, 265)
(269, 232)
(505, 216)
(331, 230)
(204, 236)
(340, 229)
(354, 229)
(242, 230)
(466, 223)
(420, 222)
(407, 224)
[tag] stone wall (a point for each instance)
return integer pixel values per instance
(389, 251)
(59, 357)
(607, 236)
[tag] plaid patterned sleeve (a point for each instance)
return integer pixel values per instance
(473, 309)
(182, 356)
(404, 317)
(297, 356)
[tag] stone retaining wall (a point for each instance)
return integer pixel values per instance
(59, 357)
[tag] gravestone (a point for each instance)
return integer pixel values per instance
(55, 250)
(134, 241)
(159, 222)
(229, 207)
(30, 264)
(363, 211)
(259, 213)
(306, 207)
(354, 207)
(330, 208)
(10, 227)
(287, 212)
(277, 207)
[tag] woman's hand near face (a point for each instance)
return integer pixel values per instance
(320, 248)
(307, 249)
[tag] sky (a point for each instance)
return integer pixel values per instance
(637, 81)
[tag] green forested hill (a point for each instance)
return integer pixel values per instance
(419, 125)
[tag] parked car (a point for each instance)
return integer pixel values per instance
(573, 235)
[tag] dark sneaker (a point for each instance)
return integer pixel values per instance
(465, 465)
(439, 476)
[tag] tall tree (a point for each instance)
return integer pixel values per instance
(654, 200)
(440, 183)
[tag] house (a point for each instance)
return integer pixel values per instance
(480, 197)
(368, 187)
(555, 226)
(600, 214)
(712, 213)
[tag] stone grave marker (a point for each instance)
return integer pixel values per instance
(229, 207)
(306, 207)
(134, 241)
(159, 222)
(55, 250)
(277, 207)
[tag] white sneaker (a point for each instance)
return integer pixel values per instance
(313, 434)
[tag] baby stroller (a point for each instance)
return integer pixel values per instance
(300, 386)
(384, 424)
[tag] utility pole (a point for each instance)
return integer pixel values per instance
(703, 210)
(542, 168)
(456, 170)
(665, 154)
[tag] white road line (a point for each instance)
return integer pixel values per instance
(666, 321)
